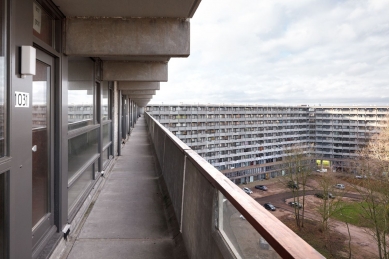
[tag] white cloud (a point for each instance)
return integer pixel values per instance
(284, 52)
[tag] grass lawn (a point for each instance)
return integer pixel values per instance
(331, 246)
(351, 213)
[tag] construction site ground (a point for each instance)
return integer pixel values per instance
(363, 245)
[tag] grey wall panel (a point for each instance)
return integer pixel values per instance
(20, 135)
(159, 144)
(173, 173)
(197, 218)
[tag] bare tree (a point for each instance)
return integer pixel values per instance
(300, 164)
(330, 202)
(349, 236)
(374, 165)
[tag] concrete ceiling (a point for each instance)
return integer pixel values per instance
(128, 8)
(112, 31)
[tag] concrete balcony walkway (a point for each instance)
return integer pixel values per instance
(128, 219)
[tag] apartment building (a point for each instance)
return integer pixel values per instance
(248, 143)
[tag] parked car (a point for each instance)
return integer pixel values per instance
(247, 190)
(295, 204)
(242, 217)
(339, 186)
(269, 206)
(322, 196)
(360, 176)
(293, 185)
(261, 187)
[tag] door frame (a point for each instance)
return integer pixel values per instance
(46, 226)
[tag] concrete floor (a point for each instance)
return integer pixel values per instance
(128, 218)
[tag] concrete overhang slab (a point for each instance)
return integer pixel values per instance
(136, 58)
(135, 71)
(142, 37)
(139, 96)
(129, 8)
(142, 103)
(129, 86)
(141, 100)
(139, 92)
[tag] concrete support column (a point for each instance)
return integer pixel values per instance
(120, 120)
(132, 113)
(128, 117)
(124, 117)
(115, 117)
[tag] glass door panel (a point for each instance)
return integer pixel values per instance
(40, 138)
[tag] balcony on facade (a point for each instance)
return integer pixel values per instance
(335, 133)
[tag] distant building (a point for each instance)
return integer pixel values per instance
(247, 143)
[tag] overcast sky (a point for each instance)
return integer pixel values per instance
(284, 52)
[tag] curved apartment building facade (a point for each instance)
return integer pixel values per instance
(248, 143)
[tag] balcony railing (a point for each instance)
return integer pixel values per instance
(216, 218)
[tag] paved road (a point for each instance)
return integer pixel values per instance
(278, 200)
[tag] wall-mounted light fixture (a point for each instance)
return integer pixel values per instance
(28, 61)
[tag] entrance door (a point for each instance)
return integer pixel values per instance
(42, 151)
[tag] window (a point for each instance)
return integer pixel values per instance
(104, 101)
(81, 92)
(82, 154)
(77, 188)
(106, 134)
(3, 95)
(43, 25)
(81, 150)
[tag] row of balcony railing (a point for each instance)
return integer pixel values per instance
(210, 208)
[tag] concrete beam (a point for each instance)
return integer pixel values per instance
(139, 96)
(135, 71)
(142, 103)
(99, 37)
(140, 100)
(129, 86)
(139, 92)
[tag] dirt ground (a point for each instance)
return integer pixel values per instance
(363, 244)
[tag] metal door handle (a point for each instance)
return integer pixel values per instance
(34, 148)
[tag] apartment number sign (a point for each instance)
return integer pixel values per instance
(22, 99)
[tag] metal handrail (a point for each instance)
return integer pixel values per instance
(282, 239)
